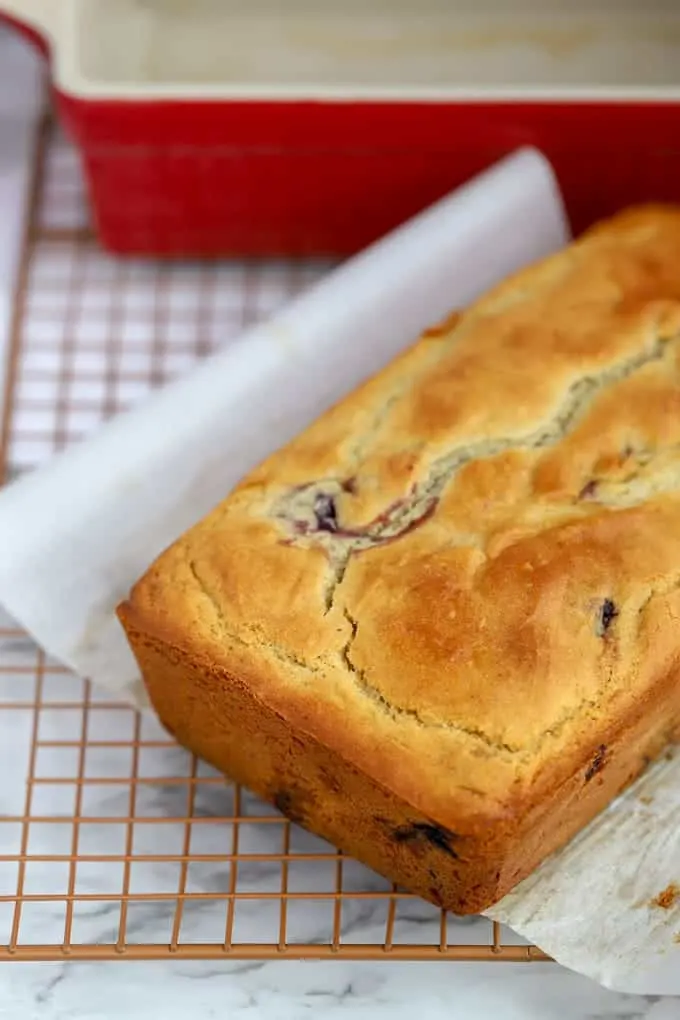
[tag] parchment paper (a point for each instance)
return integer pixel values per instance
(77, 533)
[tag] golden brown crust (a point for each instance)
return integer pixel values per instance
(463, 581)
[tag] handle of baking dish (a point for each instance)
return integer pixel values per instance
(39, 20)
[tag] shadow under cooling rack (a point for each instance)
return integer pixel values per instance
(113, 840)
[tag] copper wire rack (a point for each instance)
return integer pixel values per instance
(114, 842)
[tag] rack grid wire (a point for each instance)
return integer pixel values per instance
(120, 845)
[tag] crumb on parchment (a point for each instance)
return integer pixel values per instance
(667, 898)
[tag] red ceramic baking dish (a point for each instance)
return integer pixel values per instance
(253, 127)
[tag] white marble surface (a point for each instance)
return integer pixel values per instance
(282, 990)
(296, 991)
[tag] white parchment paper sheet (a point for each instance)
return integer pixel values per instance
(76, 534)
(593, 905)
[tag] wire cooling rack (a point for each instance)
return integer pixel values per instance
(114, 842)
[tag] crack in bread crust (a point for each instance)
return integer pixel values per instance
(282, 654)
(356, 675)
(295, 511)
(397, 712)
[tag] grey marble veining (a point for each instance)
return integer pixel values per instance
(292, 991)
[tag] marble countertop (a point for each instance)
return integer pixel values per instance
(296, 991)
(280, 990)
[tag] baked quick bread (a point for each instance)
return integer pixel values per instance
(442, 627)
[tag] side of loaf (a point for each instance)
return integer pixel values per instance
(441, 628)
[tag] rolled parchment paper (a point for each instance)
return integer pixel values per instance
(77, 533)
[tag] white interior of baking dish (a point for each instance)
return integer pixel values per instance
(361, 48)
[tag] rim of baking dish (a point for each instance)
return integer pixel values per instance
(59, 25)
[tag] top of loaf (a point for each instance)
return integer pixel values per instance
(475, 558)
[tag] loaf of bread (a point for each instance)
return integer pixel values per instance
(441, 628)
